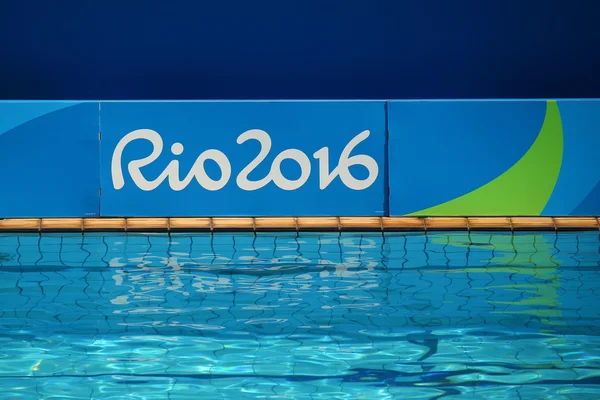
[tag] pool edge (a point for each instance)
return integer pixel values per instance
(331, 224)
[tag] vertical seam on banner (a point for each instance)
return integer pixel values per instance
(386, 162)
(99, 158)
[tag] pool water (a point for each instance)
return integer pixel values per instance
(308, 316)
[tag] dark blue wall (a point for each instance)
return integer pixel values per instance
(148, 49)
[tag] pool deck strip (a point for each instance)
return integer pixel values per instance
(256, 224)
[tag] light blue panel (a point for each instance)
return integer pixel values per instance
(441, 150)
(580, 170)
(290, 131)
(50, 159)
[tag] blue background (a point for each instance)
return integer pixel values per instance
(49, 159)
(309, 49)
(199, 126)
(577, 190)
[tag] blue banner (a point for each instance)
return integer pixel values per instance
(242, 158)
(49, 160)
(317, 158)
(481, 158)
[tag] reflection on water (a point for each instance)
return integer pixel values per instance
(315, 316)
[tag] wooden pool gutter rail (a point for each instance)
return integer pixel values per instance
(332, 224)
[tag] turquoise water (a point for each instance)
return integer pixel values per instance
(309, 316)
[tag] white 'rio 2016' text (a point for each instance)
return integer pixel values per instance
(198, 172)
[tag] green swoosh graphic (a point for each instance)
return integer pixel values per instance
(522, 190)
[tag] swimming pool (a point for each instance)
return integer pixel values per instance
(300, 316)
